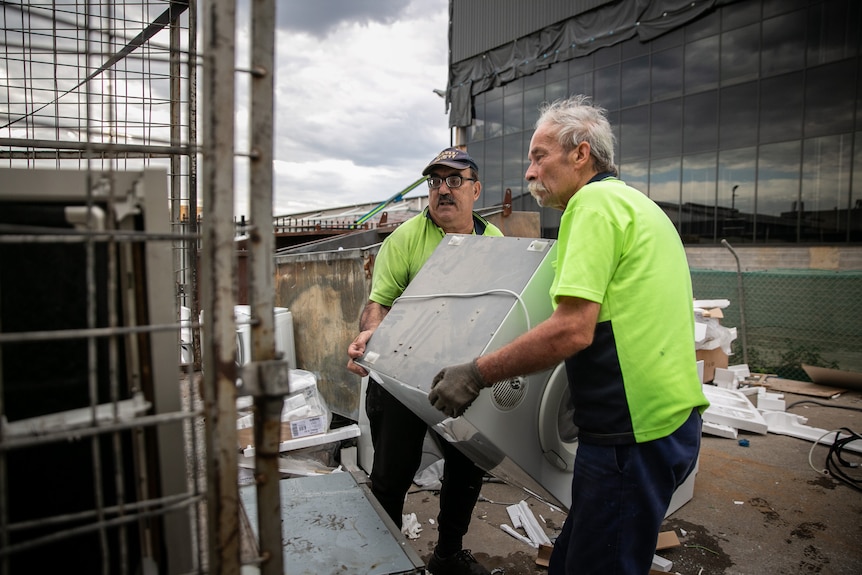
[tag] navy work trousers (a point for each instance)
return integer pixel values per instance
(398, 436)
(620, 494)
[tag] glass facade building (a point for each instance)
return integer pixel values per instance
(742, 124)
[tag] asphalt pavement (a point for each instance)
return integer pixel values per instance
(759, 507)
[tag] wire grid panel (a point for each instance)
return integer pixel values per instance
(790, 317)
(98, 94)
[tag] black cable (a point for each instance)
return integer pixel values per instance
(835, 459)
(821, 404)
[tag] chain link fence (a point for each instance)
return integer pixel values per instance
(790, 317)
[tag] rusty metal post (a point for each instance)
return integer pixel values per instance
(269, 397)
(218, 267)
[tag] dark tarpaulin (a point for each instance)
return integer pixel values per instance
(572, 38)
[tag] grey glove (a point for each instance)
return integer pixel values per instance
(455, 388)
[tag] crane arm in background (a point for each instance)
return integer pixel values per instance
(397, 197)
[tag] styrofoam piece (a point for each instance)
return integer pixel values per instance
(522, 516)
(711, 303)
(742, 370)
(699, 331)
(731, 407)
(770, 402)
(661, 564)
(751, 391)
(514, 515)
(720, 430)
(784, 423)
(342, 433)
(684, 492)
(725, 378)
(700, 370)
(517, 535)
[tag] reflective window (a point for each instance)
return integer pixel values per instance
(636, 175)
(707, 25)
(536, 79)
(825, 188)
(634, 133)
(581, 65)
(533, 100)
(494, 118)
(607, 87)
(778, 180)
(698, 196)
(668, 40)
(740, 128)
(666, 128)
(513, 87)
(666, 77)
(741, 14)
(664, 189)
(829, 99)
(513, 113)
(739, 55)
(701, 65)
(735, 193)
(556, 91)
(492, 170)
(556, 74)
(636, 73)
(781, 108)
(633, 48)
(607, 56)
(854, 218)
(783, 43)
(581, 84)
(700, 122)
(738, 113)
(776, 7)
(828, 41)
(476, 131)
(513, 156)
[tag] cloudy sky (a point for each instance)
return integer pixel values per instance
(356, 116)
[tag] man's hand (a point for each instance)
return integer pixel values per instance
(456, 387)
(356, 349)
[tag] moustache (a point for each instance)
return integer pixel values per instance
(536, 189)
(446, 200)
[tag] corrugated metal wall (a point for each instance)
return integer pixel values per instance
(480, 25)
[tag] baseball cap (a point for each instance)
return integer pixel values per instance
(453, 158)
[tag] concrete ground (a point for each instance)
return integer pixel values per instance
(756, 510)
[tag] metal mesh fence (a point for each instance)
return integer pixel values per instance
(790, 317)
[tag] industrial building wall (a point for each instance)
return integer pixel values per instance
(480, 25)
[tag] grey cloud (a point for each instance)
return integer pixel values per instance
(321, 17)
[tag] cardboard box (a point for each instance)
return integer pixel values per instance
(712, 358)
(293, 429)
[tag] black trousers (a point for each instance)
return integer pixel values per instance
(398, 435)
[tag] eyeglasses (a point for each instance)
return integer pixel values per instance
(452, 182)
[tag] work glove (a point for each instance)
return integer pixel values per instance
(455, 388)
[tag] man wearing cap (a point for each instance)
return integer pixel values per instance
(396, 432)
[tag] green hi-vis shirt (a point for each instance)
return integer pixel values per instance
(407, 249)
(638, 380)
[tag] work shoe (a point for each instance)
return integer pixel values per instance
(461, 563)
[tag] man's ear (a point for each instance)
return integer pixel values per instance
(477, 190)
(581, 155)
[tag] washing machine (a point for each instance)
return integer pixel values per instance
(472, 296)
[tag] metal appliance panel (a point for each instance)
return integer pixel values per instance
(472, 296)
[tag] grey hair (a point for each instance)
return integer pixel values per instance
(577, 120)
